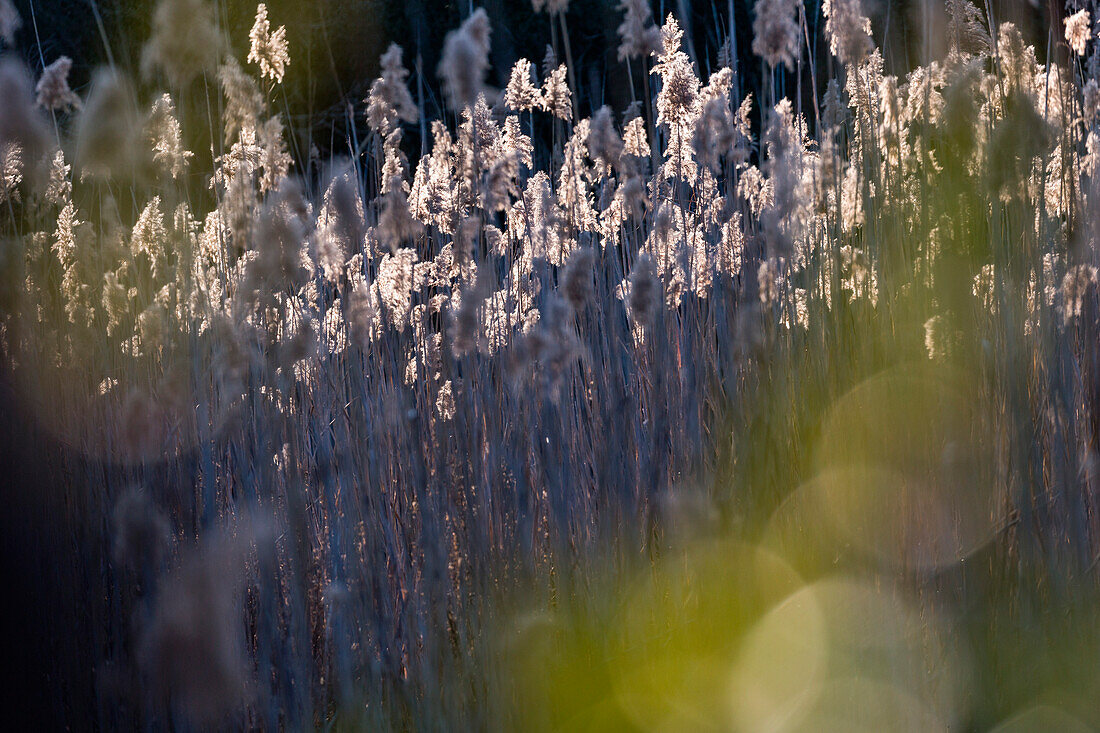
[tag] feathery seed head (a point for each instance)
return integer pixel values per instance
(556, 97)
(465, 60)
(445, 402)
(268, 49)
(678, 100)
(549, 60)
(59, 187)
(185, 42)
(389, 98)
(243, 101)
(149, 238)
(163, 131)
(637, 33)
(715, 134)
(576, 282)
(396, 224)
(635, 137)
(1017, 60)
(53, 91)
(966, 30)
(395, 283)
(521, 94)
(1091, 100)
(604, 145)
(1078, 32)
(11, 171)
(279, 240)
(642, 298)
(775, 32)
(340, 225)
(848, 30)
(769, 282)
(108, 127)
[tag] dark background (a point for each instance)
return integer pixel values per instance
(335, 44)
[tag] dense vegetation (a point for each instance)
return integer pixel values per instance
(765, 396)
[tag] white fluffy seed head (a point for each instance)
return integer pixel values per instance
(268, 49)
(775, 32)
(848, 30)
(53, 91)
(638, 36)
(185, 42)
(108, 127)
(389, 99)
(1077, 31)
(465, 60)
(521, 94)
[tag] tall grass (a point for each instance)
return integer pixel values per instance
(746, 409)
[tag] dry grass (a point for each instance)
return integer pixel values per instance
(732, 411)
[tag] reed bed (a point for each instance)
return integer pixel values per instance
(765, 407)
